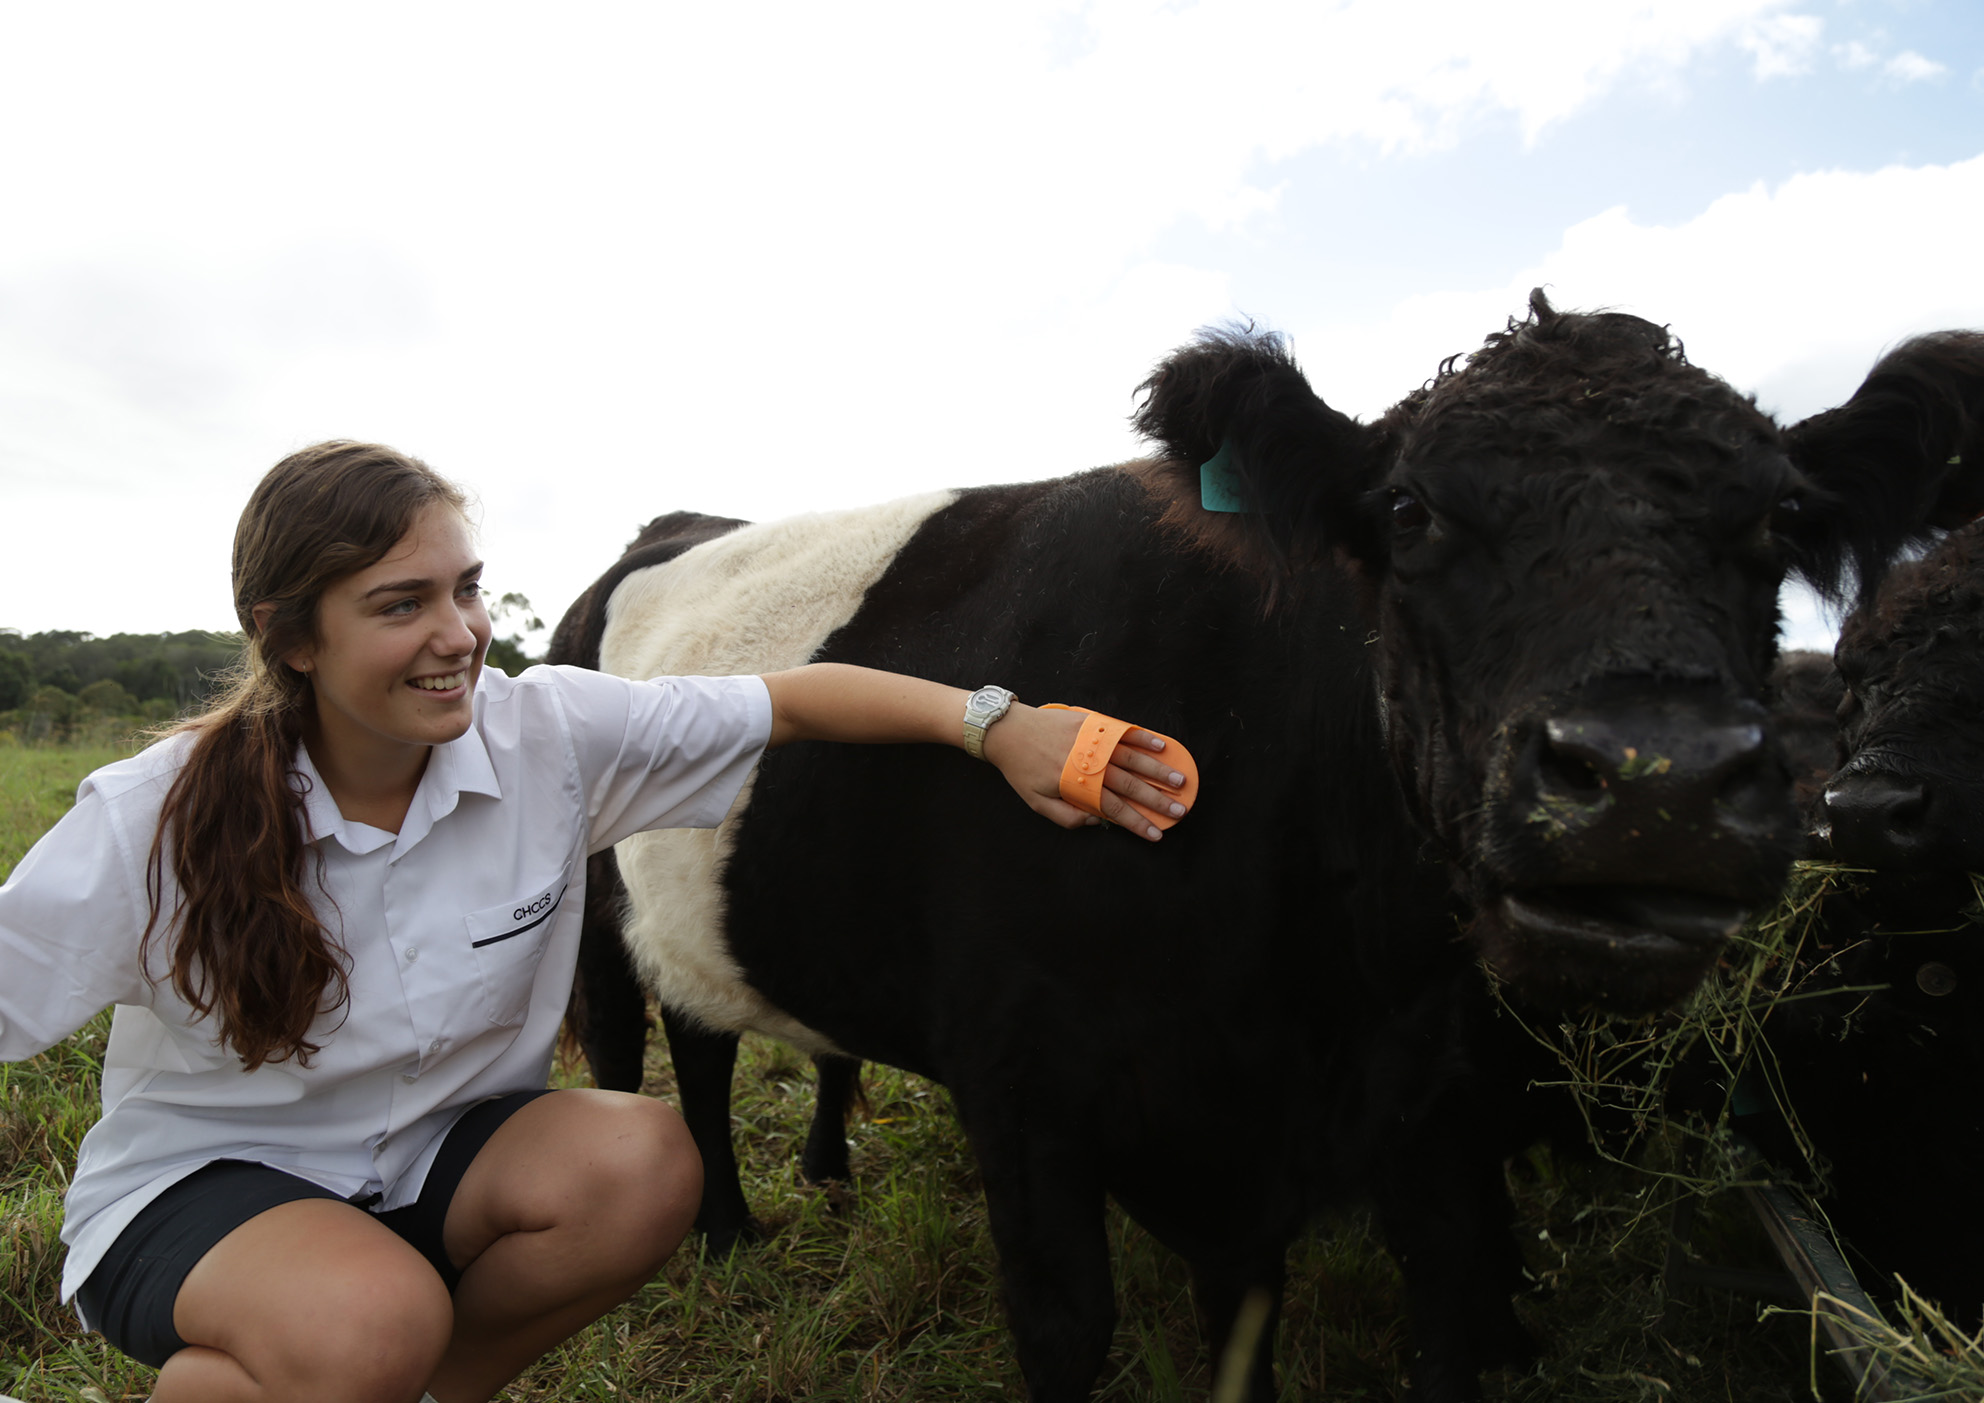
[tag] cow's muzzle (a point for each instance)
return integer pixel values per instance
(1898, 819)
(1633, 834)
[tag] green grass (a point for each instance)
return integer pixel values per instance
(888, 1290)
(1620, 1071)
(37, 786)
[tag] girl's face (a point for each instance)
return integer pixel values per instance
(399, 647)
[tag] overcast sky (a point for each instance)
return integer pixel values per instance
(606, 260)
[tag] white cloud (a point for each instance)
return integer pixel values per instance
(1854, 55)
(1782, 46)
(1905, 67)
(1910, 67)
(1789, 291)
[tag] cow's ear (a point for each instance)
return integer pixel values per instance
(1903, 457)
(1252, 461)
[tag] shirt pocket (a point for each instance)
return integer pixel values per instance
(506, 944)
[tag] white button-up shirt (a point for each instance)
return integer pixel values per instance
(462, 931)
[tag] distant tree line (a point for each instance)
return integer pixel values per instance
(173, 667)
(65, 686)
(62, 686)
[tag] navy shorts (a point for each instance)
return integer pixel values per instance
(130, 1293)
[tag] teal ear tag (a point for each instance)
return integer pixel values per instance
(1219, 482)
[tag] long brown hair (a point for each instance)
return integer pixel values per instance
(250, 950)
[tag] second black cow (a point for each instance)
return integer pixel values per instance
(1479, 680)
(1880, 1055)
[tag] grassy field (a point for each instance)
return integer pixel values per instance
(887, 1290)
(37, 787)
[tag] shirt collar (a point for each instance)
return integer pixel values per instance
(321, 818)
(460, 766)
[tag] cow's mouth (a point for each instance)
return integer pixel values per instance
(1628, 948)
(1625, 916)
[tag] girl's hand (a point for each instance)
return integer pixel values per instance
(1030, 746)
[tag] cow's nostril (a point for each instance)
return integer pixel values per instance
(1572, 776)
(1573, 762)
(1877, 817)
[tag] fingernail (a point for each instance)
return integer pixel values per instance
(1156, 743)
(1151, 832)
(1090, 821)
(1177, 778)
(1177, 810)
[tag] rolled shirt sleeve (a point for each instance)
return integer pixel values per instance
(672, 752)
(72, 918)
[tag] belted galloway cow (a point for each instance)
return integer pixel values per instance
(1879, 1055)
(1478, 681)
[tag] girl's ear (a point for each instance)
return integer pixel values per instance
(299, 658)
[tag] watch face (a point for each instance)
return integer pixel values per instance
(987, 698)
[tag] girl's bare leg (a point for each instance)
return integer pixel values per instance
(575, 1201)
(310, 1302)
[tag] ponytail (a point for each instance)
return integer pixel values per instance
(250, 952)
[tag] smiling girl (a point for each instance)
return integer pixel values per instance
(338, 915)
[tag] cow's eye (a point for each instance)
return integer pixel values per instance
(1408, 512)
(1784, 516)
(1864, 695)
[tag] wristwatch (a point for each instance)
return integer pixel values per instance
(984, 706)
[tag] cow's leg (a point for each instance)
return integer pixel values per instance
(704, 1062)
(1452, 1078)
(825, 1155)
(1446, 1215)
(1045, 1203)
(1244, 1294)
(609, 1008)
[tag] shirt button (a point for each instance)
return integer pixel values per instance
(434, 1046)
(412, 953)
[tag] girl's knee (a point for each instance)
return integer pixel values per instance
(643, 1180)
(653, 1166)
(615, 1175)
(374, 1335)
(317, 1301)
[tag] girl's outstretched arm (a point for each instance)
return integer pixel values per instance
(838, 702)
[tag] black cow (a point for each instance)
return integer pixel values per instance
(1481, 678)
(1881, 1055)
(1909, 793)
